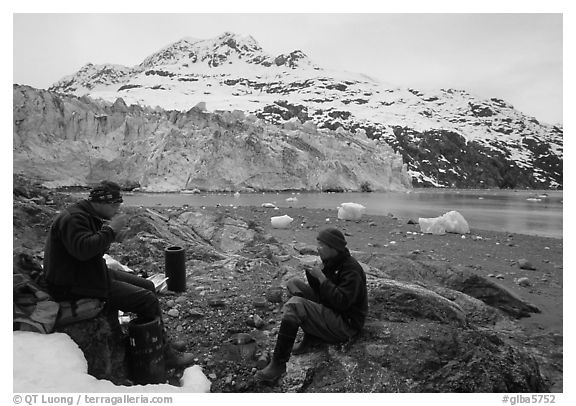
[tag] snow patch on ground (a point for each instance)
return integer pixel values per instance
(54, 363)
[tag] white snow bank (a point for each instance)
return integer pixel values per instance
(54, 363)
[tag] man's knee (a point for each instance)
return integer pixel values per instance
(150, 304)
(295, 308)
(145, 304)
(149, 285)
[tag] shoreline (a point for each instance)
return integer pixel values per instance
(85, 189)
(330, 213)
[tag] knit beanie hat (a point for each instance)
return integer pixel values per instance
(333, 238)
(106, 192)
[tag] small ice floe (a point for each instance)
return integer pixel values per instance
(537, 197)
(350, 211)
(451, 222)
(292, 199)
(269, 205)
(190, 191)
(281, 221)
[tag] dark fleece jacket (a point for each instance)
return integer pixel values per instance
(344, 290)
(73, 254)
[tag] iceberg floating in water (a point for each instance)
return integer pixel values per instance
(350, 211)
(451, 222)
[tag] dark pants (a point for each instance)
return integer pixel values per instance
(314, 318)
(131, 293)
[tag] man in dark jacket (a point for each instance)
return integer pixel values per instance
(331, 308)
(75, 267)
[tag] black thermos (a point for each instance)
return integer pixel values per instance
(175, 269)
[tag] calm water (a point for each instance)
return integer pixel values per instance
(524, 212)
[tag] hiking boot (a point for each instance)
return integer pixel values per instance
(272, 372)
(176, 359)
(308, 344)
(179, 345)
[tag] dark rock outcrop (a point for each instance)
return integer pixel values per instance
(104, 346)
(437, 275)
(407, 356)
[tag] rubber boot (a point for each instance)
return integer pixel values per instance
(284, 344)
(145, 351)
(176, 359)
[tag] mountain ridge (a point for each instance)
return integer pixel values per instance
(447, 137)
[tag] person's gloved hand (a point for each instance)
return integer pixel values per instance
(118, 222)
(316, 273)
(120, 235)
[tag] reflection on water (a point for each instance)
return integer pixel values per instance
(524, 212)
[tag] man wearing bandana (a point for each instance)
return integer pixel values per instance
(330, 308)
(75, 266)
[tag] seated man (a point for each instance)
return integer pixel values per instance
(75, 267)
(331, 308)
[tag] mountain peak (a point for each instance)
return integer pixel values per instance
(214, 52)
(190, 40)
(234, 40)
(293, 59)
(91, 76)
(224, 49)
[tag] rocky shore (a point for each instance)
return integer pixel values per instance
(480, 312)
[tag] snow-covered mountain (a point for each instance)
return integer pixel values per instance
(447, 137)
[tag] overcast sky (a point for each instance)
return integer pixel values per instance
(514, 56)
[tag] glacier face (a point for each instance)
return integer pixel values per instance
(67, 141)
